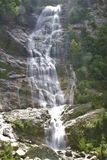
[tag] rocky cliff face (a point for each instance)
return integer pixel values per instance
(15, 88)
(14, 85)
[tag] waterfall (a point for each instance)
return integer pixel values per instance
(43, 75)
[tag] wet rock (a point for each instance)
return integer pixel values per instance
(6, 131)
(94, 158)
(16, 76)
(1, 107)
(20, 152)
(89, 156)
(82, 154)
(15, 145)
(42, 152)
(38, 158)
(19, 35)
(68, 148)
(73, 125)
(68, 153)
(77, 155)
(67, 158)
(27, 158)
(60, 152)
(93, 152)
(28, 123)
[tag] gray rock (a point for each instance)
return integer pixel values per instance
(16, 76)
(19, 35)
(68, 153)
(37, 115)
(28, 123)
(89, 156)
(73, 124)
(16, 42)
(94, 158)
(6, 132)
(15, 93)
(37, 158)
(20, 152)
(15, 145)
(77, 155)
(43, 152)
(82, 154)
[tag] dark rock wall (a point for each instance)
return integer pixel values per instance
(15, 91)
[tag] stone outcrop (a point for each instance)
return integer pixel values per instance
(13, 42)
(14, 85)
(42, 152)
(23, 125)
(74, 124)
(28, 124)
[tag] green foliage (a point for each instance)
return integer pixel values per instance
(76, 134)
(91, 136)
(81, 110)
(90, 62)
(98, 49)
(9, 11)
(6, 152)
(88, 55)
(9, 6)
(101, 41)
(76, 15)
(82, 144)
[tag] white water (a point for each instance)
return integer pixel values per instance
(42, 72)
(6, 131)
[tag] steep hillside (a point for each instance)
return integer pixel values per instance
(88, 36)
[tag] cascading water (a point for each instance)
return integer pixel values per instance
(42, 72)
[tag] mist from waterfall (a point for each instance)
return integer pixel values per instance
(42, 72)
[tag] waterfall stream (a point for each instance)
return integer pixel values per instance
(42, 72)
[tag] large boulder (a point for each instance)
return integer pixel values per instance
(28, 124)
(72, 112)
(43, 152)
(75, 127)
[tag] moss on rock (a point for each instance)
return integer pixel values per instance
(28, 130)
(42, 152)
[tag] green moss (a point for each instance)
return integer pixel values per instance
(29, 130)
(79, 110)
(42, 152)
(90, 136)
(6, 152)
